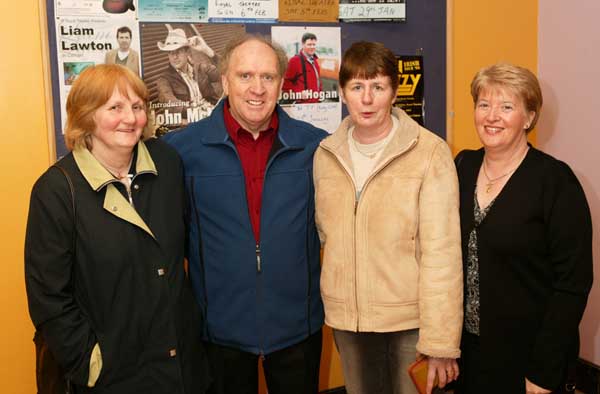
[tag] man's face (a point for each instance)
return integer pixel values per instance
(309, 47)
(252, 83)
(178, 58)
(124, 40)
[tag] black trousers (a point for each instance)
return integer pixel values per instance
(293, 370)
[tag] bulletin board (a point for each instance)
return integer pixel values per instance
(422, 33)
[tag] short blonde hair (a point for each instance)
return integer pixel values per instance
(92, 89)
(519, 80)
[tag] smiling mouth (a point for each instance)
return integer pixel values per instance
(493, 130)
(255, 103)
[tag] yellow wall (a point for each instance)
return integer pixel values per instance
(23, 156)
(481, 33)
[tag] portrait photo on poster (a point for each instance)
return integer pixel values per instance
(180, 67)
(310, 85)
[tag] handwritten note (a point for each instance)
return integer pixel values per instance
(242, 11)
(324, 115)
(372, 10)
(308, 10)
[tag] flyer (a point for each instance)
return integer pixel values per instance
(373, 10)
(94, 7)
(173, 10)
(310, 86)
(410, 95)
(243, 11)
(84, 41)
(180, 67)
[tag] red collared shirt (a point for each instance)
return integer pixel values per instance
(253, 155)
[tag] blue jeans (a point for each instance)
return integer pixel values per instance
(377, 363)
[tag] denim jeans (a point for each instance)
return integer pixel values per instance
(377, 363)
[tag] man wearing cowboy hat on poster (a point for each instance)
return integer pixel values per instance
(184, 84)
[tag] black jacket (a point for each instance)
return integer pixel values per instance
(535, 270)
(124, 285)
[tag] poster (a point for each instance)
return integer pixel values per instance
(94, 7)
(410, 94)
(180, 67)
(83, 41)
(243, 11)
(373, 10)
(308, 10)
(173, 10)
(310, 87)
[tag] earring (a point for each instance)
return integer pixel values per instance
(526, 126)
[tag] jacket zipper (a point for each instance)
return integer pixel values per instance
(356, 202)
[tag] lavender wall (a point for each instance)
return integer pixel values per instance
(569, 127)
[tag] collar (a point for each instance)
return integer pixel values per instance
(404, 139)
(235, 130)
(98, 176)
(308, 57)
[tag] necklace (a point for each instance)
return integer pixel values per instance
(117, 173)
(492, 181)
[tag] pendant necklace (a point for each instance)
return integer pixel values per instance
(492, 181)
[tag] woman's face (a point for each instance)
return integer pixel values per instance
(119, 122)
(501, 119)
(369, 102)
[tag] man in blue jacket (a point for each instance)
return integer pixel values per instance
(253, 245)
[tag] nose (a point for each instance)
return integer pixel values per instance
(128, 116)
(367, 95)
(492, 114)
(257, 86)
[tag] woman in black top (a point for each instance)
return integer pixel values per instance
(104, 268)
(527, 246)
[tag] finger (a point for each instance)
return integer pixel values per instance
(456, 369)
(442, 377)
(430, 379)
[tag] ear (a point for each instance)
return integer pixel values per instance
(341, 91)
(225, 85)
(530, 117)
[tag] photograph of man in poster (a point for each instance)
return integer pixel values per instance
(187, 83)
(124, 55)
(303, 75)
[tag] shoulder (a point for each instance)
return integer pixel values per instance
(160, 149)
(52, 183)
(554, 171)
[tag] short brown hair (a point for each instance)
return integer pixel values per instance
(367, 60)
(244, 38)
(519, 80)
(92, 89)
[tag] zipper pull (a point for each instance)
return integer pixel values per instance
(258, 267)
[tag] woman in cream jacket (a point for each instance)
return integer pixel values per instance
(387, 213)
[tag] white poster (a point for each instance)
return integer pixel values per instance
(310, 87)
(86, 41)
(243, 11)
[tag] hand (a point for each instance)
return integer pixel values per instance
(446, 370)
(532, 388)
(197, 43)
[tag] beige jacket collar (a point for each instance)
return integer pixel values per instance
(98, 177)
(406, 137)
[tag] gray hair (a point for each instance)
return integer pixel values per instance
(242, 39)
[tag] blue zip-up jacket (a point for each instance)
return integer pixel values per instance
(256, 298)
